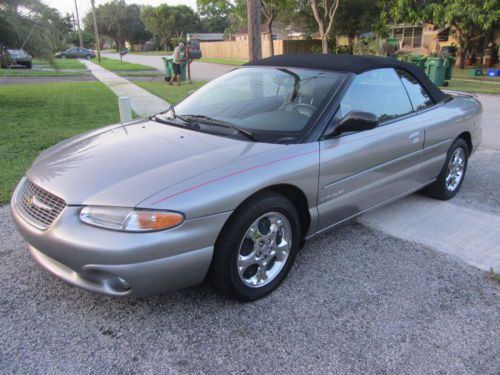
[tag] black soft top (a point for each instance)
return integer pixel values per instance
(352, 64)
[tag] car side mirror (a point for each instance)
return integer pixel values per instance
(356, 121)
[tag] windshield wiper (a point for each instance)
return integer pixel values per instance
(213, 121)
(174, 116)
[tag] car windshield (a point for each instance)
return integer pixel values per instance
(269, 104)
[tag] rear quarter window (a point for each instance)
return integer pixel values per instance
(419, 97)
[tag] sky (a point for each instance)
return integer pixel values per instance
(68, 6)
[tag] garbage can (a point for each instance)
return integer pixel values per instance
(476, 72)
(435, 70)
(420, 60)
(169, 68)
(448, 66)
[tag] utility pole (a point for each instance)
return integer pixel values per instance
(254, 37)
(98, 45)
(80, 36)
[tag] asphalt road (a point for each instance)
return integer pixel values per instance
(357, 301)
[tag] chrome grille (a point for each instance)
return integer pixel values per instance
(37, 205)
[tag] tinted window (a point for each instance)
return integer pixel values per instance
(379, 92)
(418, 96)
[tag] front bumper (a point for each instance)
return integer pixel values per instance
(120, 263)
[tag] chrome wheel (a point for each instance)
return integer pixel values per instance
(264, 249)
(456, 167)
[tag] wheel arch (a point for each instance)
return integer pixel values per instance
(466, 136)
(295, 195)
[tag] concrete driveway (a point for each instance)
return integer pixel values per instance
(359, 300)
(199, 71)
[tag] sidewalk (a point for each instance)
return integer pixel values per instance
(143, 103)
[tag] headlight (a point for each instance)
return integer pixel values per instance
(129, 219)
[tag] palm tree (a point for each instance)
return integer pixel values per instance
(31, 25)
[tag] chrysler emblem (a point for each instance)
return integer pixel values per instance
(34, 202)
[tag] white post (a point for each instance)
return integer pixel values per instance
(125, 109)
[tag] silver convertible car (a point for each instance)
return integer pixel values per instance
(228, 184)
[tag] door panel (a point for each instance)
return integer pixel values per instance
(440, 126)
(361, 170)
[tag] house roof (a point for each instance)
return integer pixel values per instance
(353, 64)
(207, 36)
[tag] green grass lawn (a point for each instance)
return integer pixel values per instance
(36, 116)
(464, 73)
(112, 64)
(38, 73)
(59, 68)
(172, 94)
(480, 87)
(222, 61)
(61, 63)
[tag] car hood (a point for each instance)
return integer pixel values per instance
(123, 165)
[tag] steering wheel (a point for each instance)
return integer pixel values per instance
(304, 109)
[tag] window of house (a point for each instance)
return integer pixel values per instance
(410, 36)
(444, 35)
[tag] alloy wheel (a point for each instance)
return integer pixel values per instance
(264, 249)
(456, 167)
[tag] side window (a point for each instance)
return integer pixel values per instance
(418, 96)
(378, 91)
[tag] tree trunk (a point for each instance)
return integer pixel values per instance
(463, 52)
(254, 36)
(270, 31)
(324, 43)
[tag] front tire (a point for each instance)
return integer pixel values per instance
(256, 248)
(452, 175)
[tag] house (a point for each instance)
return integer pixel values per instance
(427, 39)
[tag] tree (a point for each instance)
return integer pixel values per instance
(354, 17)
(214, 15)
(31, 25)
(470, 19)
(324, 15)
(119, 21)
(233, 12)
(167, 22)
(270, 10)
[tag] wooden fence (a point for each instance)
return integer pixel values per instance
(238, 50)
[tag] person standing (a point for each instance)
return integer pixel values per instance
(178, 59)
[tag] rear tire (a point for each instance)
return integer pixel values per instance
(452, 175)
(256, 247)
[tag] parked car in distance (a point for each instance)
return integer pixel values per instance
(228, 184)
(16, 58)
(76, 53)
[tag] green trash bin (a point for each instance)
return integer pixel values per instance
(435, 70)
(448, 67)
(476, 72)
(169, 68)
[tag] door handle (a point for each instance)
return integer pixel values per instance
(414, 137)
